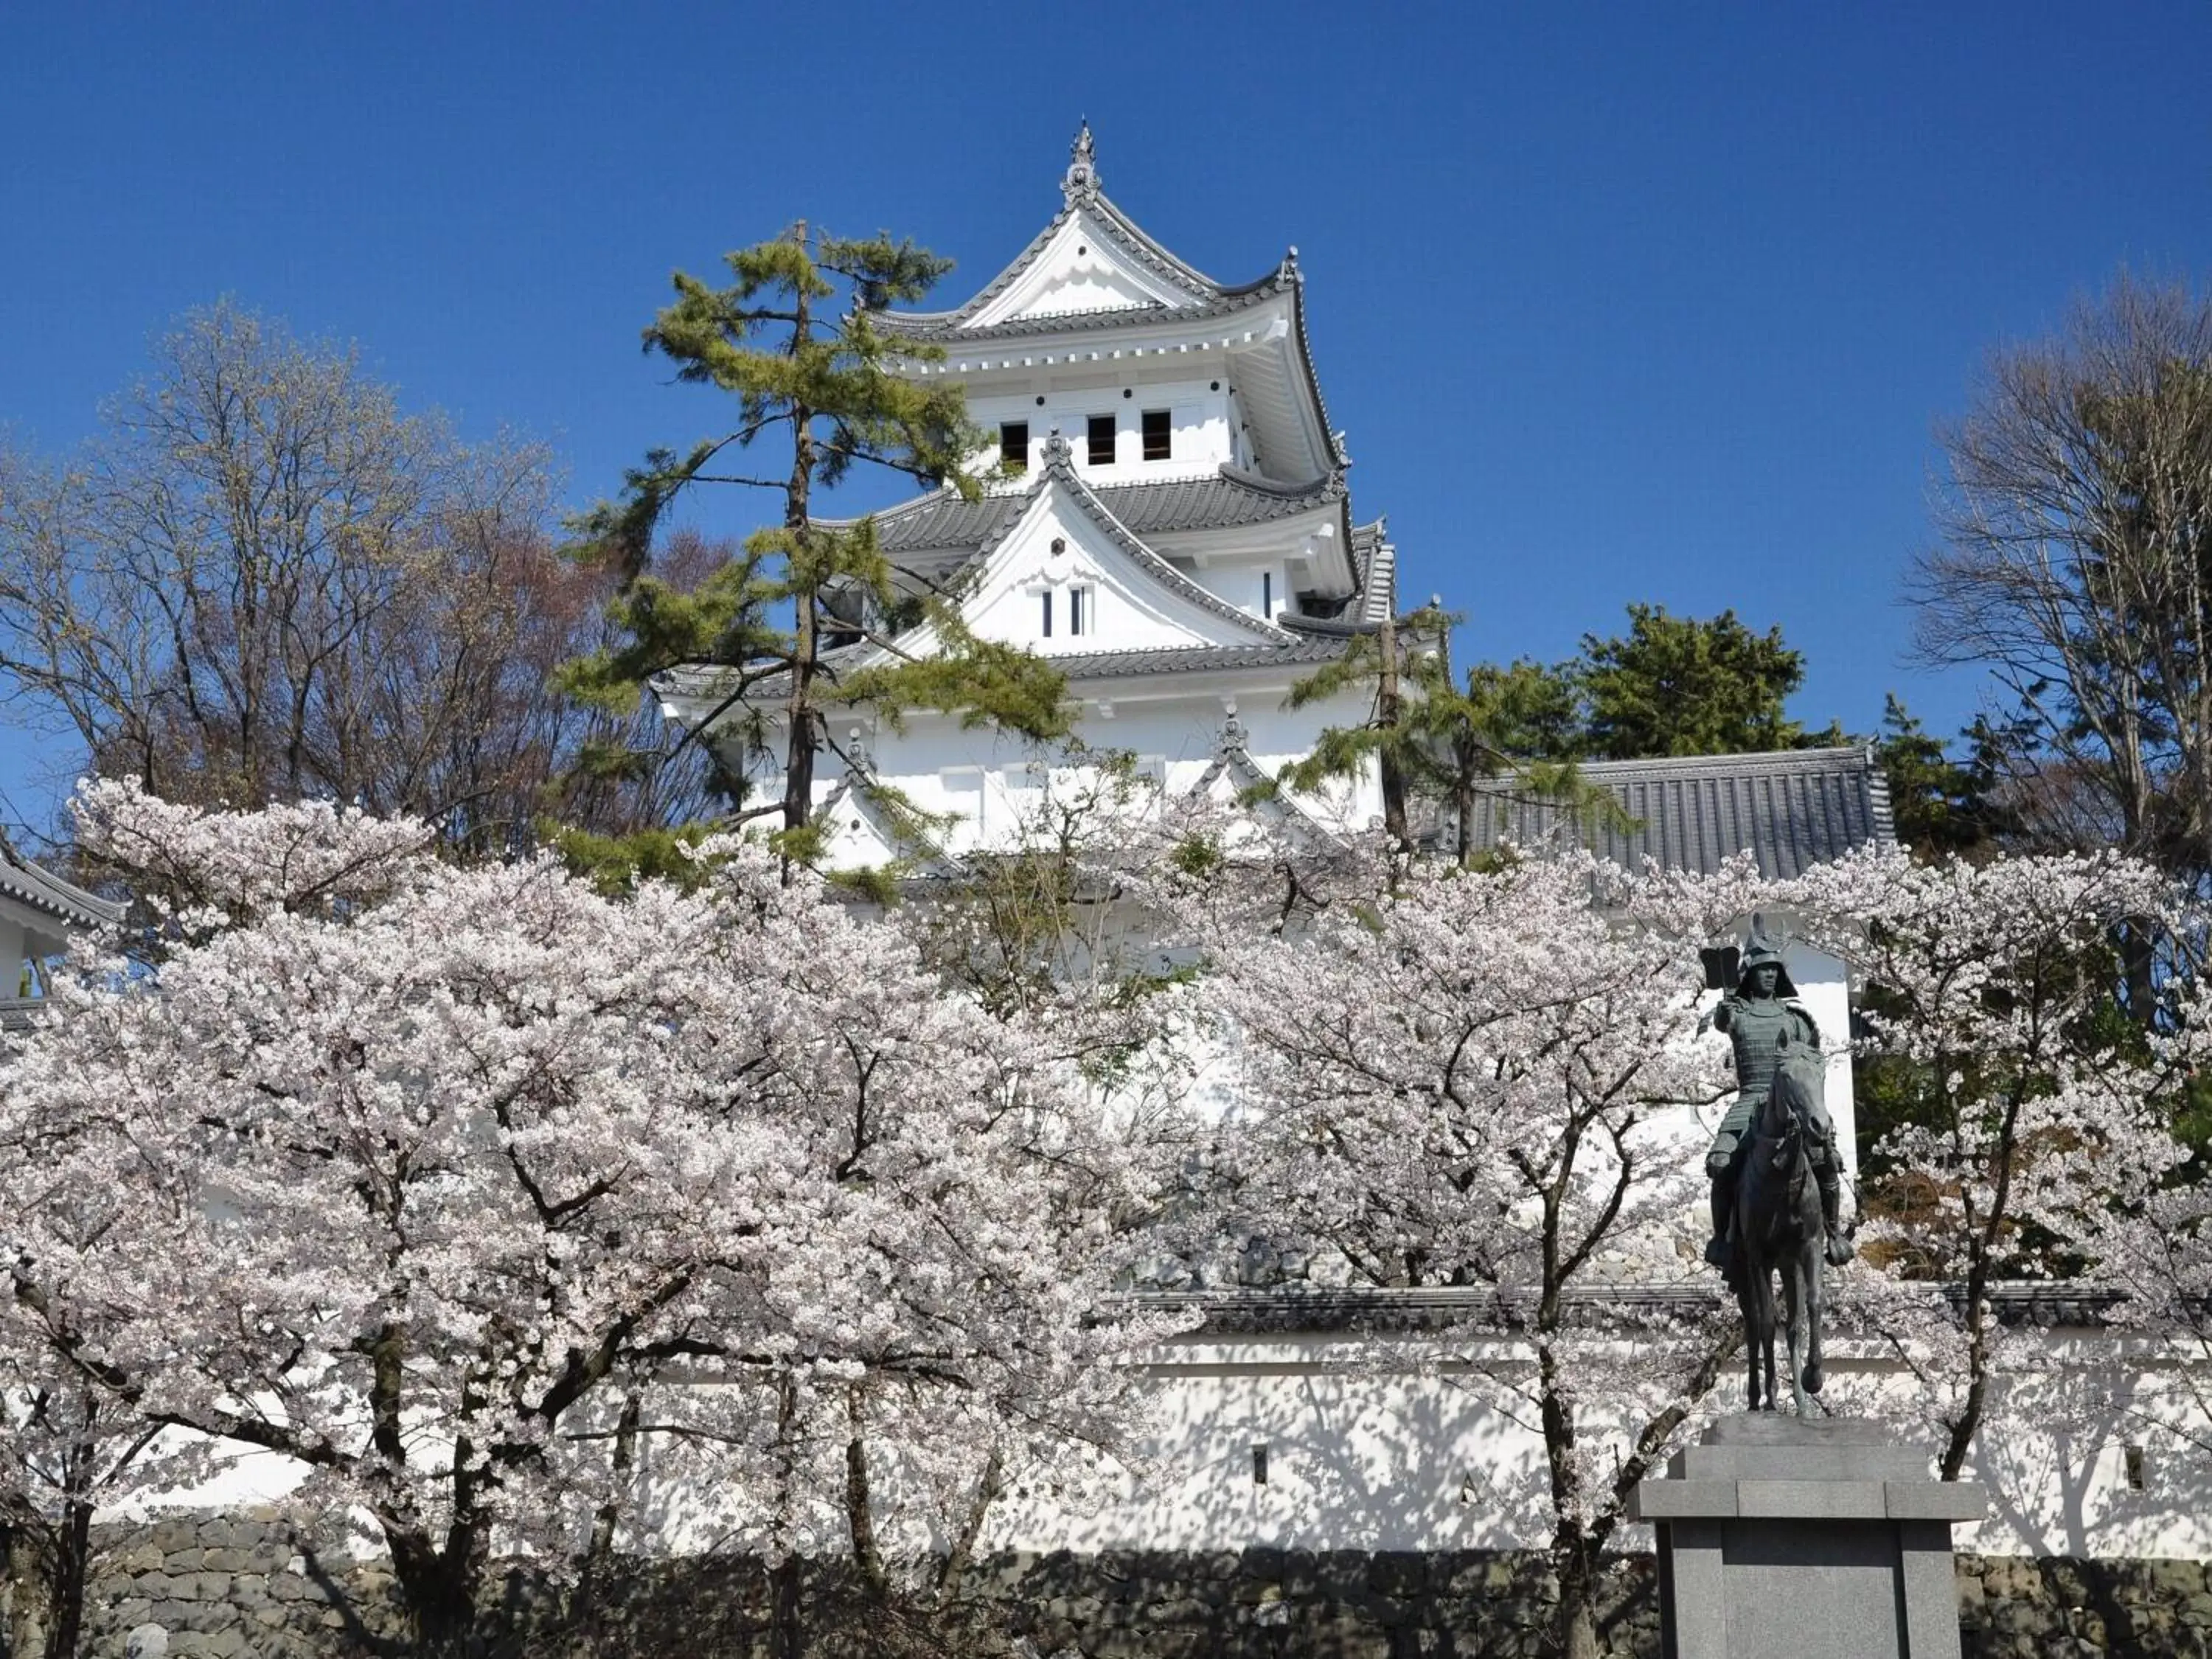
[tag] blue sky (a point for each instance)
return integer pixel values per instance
(1614, 303)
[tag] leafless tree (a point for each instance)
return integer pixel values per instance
(267, 581)
(2075, 563)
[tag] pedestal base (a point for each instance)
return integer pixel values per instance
(1818, 1538)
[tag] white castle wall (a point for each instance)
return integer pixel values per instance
(1202, 429)
(990, 782)
(1382, 1444)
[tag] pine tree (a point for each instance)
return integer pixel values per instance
(1434, 738)
(793, 339)
(1677, 686)
(1942, 807)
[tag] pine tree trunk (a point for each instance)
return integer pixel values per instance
(1388, 713)
(797, 504)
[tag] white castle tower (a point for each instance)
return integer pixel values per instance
(1173, 531)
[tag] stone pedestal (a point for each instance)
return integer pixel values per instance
(1818, 1538)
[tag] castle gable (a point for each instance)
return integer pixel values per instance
(1083, 266)
(1067, 577)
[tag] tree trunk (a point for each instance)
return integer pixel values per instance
(1576, 1629)
(1969, 1421)
(1389, 715)
(439, 1588)
(599, 1555)
(72, 1563)
(799, 745)
(860, 1504)
(787, 1640)
(955, 1564)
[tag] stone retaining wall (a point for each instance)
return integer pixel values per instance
(243, 1585)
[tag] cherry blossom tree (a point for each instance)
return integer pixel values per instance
(1478, 1078)
(460, 1188)
(2036, 1123)
(2158, 1258)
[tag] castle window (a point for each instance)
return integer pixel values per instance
(1014, 446)
(1102, 441)
(1267, 594)
(1081, 612)
(1045, 630)
(1158, 442)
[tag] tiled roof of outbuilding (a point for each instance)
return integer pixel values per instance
(28, 885)
(1792, 808)
(1298, 1308)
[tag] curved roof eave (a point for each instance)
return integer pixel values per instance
(1331, 443)
(41, 890)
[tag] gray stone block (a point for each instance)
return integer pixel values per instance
(1814, 1560)
(1812, 1500)
(1812, 1462)
(1667, 1500)
(177, 1533)
(1936, 1500)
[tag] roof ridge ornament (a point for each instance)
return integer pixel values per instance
(1081, 178)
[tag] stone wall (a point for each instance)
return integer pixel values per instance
(244, 1586)
(2013, 1607)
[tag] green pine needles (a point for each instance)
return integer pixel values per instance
(817, 389)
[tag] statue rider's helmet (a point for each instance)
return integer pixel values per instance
(1763, 949)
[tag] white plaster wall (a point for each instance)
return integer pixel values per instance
(1200, 424)
(1241, 584)
(1384, 1445)
(989, 778)
(1127, 607)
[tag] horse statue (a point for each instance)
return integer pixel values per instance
(1779, 1229)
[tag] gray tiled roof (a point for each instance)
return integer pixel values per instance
(947, 328)
(1228, 499)
(1081, 666)
(1792, 808)
(941, 522)
(1302, 1308)
(28, 885)
(705, 680)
